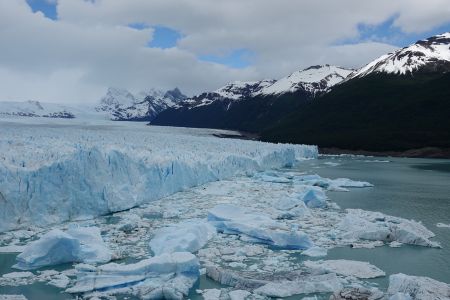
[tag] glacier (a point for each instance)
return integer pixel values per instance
(78, 244)
(54, 173)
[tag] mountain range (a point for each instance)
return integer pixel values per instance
(397, 102)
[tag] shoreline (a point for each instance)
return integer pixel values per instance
(427, 152)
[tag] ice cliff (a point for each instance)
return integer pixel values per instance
(50, 174)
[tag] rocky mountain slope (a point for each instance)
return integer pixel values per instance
(251, 106)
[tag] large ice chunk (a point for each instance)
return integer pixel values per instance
(344, 267)
(338, 184)
(367, 225)
(257, 227)
(77, 244)
(187, 236)
(167, 276)
(315, 197)
(418, 288)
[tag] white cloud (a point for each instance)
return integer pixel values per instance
(90, 46)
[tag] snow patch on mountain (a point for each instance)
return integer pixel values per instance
(120, 104)
(35, 109)
(314, 80)
(432, 54)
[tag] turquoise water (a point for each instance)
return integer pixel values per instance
(410, 188)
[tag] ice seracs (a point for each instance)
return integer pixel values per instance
(52, 175)
(77, 244)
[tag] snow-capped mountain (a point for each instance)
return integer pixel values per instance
(36, 109)
(120, 104)
(315, 79)
(429, 55)
(233, 91)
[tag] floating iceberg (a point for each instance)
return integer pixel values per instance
(344, 267)
(187, 236)
(339, 184)
(50, 174)
(419, 288)
(291, 207)
(167, 276)
(315, 197)
(78, 244)
(367, 225)
(315, 252)
(256, 227)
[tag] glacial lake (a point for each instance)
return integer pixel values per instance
(416, 189)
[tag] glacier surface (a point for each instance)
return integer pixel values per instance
(50, 174)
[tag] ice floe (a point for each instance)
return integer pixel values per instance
(167, 276)
(344, 267)
(367, 225)
(326, 283)
(338, 184)
(78, 244)
(442, 225)
(418, 288)
(256, 227)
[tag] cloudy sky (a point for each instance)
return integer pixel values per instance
(71, 50)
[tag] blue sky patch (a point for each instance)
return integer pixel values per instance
(48, 8)
(163, 37)
(239, 58)
(386, 32)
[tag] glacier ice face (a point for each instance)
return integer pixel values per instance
(256, 227)
(420, 288)
(53, 173)
(78, 244)
(167, 276)
(187, 236)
